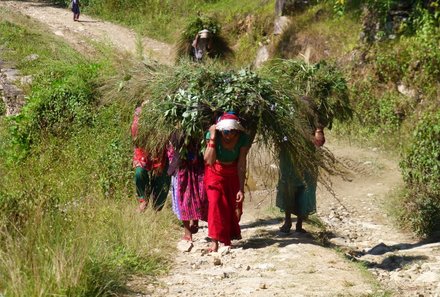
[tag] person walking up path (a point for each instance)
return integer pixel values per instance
(150, 173)
(225, 157)
(296, 194)
(189, 200)
(75, 9)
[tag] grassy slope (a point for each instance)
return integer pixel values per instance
(67, 224)
(380, 109)
(245, 23)
(164, 19)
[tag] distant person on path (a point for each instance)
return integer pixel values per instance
(295, 194)
(189, 200)
(225, 171)
(202, 44)
(150, 173)
(75, 9)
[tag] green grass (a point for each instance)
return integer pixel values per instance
(329, 37)
(21, 37)
(87, 248)
(245, 23)
(67, 220)
(163, 20)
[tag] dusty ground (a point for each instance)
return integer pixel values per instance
(374, 258)
(82, 34)
(265, 262)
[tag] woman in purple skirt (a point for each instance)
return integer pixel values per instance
(188, 194)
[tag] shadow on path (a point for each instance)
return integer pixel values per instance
(82, 21)
(45, 4)
(268, 237)
(260, 223)
(394, 262)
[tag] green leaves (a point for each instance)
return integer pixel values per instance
(322, 84)
(421, 172)
(188, 99)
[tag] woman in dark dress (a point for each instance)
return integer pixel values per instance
(75, 9)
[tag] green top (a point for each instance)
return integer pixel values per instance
(225, 155)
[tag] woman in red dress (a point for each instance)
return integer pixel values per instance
(225, 171)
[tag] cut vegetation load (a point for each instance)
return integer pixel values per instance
(185, 100)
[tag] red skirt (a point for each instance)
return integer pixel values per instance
(222, 185)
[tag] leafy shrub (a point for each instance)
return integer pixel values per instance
(388, 115)
(339, 7)
(112, 162)
(422, 211)
(421, 172)
(60, 101)
(390, 63)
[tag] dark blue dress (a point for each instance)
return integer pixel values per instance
(75, 7)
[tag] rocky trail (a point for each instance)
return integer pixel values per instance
(360, 253)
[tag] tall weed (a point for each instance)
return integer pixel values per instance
(67, 221)
(83, 250)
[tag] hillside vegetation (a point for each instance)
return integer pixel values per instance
(67, 225)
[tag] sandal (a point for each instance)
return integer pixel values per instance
(286, 228)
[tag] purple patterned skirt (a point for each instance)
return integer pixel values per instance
(188, 192)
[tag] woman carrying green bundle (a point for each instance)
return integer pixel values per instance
(296, 194)
(189, 201)
(225, 171)
(150, 173)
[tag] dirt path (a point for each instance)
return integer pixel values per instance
(81, 34)
(268, 263)
(363, 230)
(265, 262)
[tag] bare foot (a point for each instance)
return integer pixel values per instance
(214, 246)
(187, 237)
(142, 206)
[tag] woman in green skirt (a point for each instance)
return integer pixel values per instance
(297, 195)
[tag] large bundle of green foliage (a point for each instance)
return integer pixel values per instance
(321, 85)
(195, 95)
(421, 172)
(184, 101)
